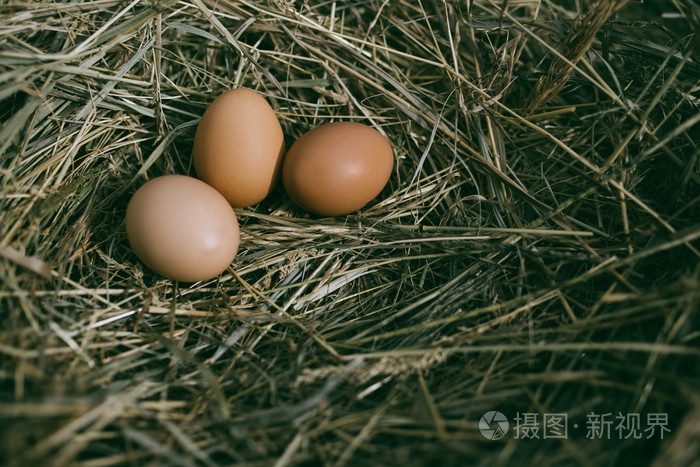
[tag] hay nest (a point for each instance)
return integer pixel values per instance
(535, 252)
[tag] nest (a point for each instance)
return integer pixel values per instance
(535, 251)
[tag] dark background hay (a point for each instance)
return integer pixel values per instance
(535, 252)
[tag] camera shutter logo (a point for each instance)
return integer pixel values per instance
(493, 425)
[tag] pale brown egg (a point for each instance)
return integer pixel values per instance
(337, 168)
(182, 228)
(239, 146)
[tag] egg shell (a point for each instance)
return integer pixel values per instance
(239, 146)
(182, 228)
(337, 168)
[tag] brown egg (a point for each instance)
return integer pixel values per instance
(337, 168)
(238, 147)
(182, 228)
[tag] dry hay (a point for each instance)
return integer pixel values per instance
(536, 250)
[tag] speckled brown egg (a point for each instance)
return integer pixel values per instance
(182, 228)
(239, 146)
(337, 168)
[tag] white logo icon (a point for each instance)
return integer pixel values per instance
(493, 425)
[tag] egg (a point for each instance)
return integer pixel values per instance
(337, 168)
(239, 146)
(182, 228)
